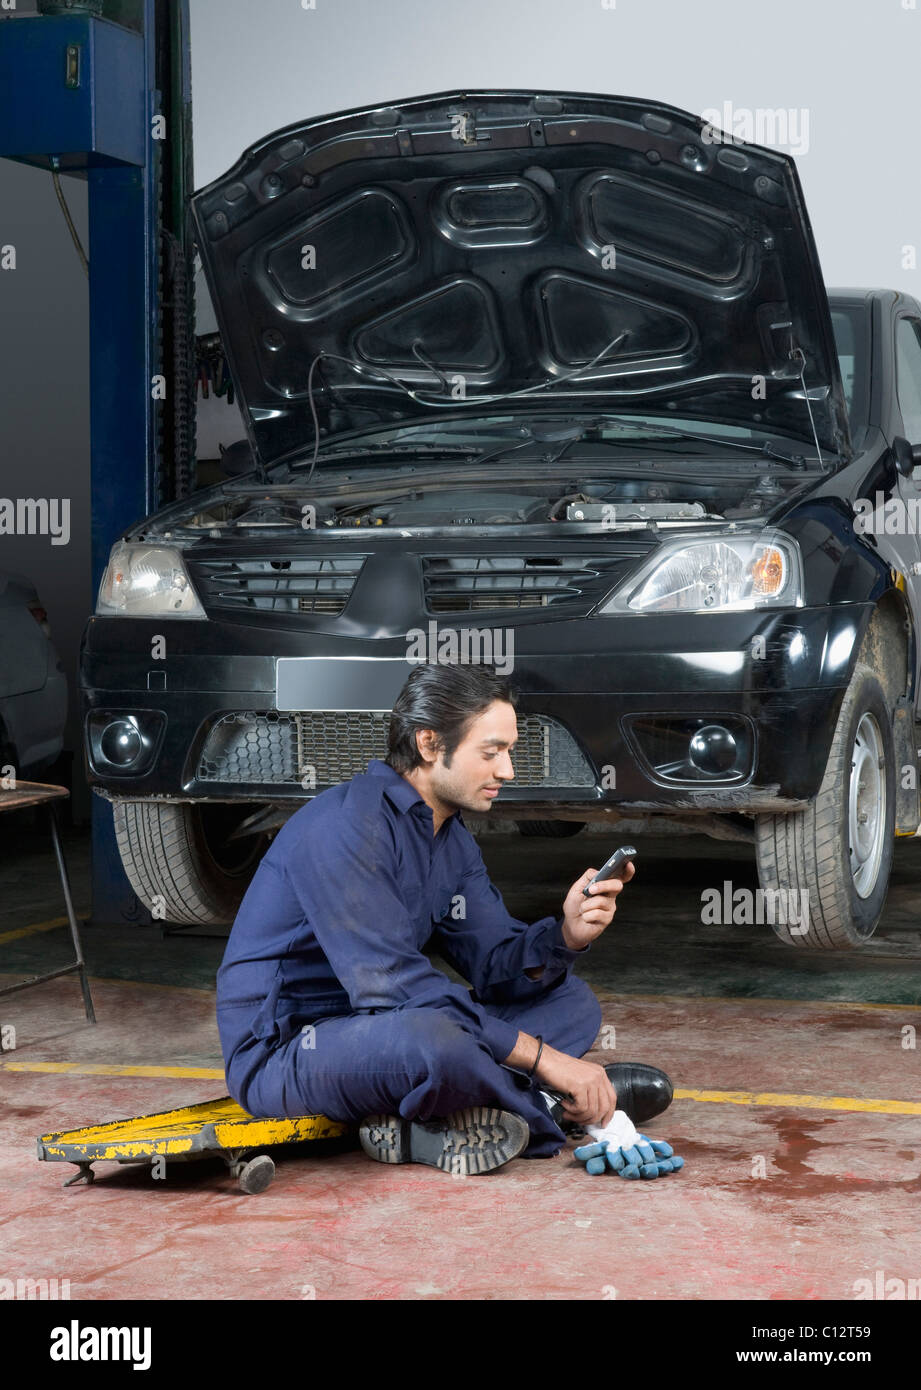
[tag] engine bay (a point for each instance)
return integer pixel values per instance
(578, 501)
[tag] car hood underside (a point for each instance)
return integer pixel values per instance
(469, 245)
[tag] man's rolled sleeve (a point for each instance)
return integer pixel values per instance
(499, 1036)
(552, 941)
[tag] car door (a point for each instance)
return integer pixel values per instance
(908, 391)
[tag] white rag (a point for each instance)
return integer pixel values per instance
(620, 1131)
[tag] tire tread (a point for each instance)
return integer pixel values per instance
(800, 849)
(160, 858)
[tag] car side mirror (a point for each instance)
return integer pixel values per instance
(907, 456)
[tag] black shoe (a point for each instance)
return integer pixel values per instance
(642, 1091)
(471, 1141)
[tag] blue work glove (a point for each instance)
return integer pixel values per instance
(646, 1158)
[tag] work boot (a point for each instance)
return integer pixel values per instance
(471, 1141)
(642, 1091)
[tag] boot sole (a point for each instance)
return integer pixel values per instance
(469, 1142)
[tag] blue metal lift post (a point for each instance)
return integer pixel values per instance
(79, 93)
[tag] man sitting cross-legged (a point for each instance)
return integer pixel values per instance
(327, 1005)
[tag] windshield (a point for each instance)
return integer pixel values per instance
(850, 323)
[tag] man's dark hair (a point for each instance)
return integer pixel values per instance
(445, 698)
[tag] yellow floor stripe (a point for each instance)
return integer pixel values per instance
(782, 1099)
(34, 929)
(108, 1069)
(779, 1098)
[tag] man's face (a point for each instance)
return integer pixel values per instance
(480, 763)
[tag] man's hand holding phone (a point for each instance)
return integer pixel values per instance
(586, 915)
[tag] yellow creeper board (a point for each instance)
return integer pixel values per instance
(193, 1131)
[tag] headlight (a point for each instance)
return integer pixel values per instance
(759, 570)
(147, 581)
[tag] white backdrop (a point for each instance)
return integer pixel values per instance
(846, 71)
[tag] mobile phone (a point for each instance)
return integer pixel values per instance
(618, 859)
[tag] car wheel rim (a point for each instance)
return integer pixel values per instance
(866, 806)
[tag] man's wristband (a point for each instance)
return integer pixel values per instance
(537, 1058)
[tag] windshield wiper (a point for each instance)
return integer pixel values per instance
(561, 432)
(775, 449)
(542, 435)
(571, 434)
(383, 451)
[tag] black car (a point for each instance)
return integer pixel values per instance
(553, 381)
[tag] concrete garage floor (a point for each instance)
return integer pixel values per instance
(798, 1111)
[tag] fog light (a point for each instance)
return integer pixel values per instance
(713, 750)
(693, 749)
(121, 742)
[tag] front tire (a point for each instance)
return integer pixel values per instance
(839, 849)
(179, 856)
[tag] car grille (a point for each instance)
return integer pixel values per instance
(489, 583)
(329, 746)
(250, 747)
(318, 584)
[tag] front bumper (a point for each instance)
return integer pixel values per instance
(783, 673)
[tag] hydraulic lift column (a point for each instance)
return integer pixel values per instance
(105, 95)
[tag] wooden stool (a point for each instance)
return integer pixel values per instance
(35, 794)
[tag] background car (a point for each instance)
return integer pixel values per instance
(33, 686)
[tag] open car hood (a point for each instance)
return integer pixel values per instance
(474, 244)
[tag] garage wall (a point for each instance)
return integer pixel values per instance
(845, 70)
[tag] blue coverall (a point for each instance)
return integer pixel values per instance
(330, 934)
